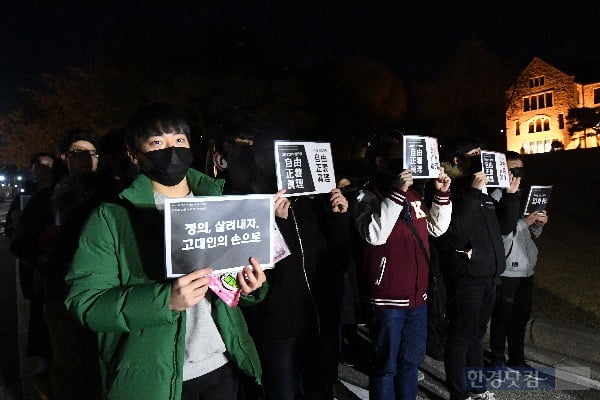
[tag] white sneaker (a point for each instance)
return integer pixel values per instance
(487, 395)
(420, 376)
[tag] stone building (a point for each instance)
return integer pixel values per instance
(538, 104)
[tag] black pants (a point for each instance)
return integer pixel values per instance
(296, 367)
(469, 311)
(220, 384)
(509, 319)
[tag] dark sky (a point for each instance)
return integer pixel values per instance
(414, 40)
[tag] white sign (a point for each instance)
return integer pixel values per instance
(304, 167)
(495, 168)
(538, 199)
(220, 232)
(421, 154)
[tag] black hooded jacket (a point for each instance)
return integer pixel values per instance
(305, 286)
(471, 251)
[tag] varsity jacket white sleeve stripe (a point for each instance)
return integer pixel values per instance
(375, 219)
(440, 214)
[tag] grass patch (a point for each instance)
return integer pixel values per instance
(567, 275)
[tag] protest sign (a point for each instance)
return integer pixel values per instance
(537, 199)
(304, 167)
(421, 154)
(495, 168)
(220, 232)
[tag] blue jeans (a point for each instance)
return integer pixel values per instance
(399, 337)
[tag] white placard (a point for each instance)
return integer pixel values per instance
(421, 154)
(495, 168)
(304, 167)
(220, 232)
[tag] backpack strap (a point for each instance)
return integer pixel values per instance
(418, 237)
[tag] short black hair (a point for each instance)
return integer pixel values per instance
(155, 119)
(35, 158)
(380, 144)
(462, 145)
(75, 135)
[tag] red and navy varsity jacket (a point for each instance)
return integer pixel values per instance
(394, 271)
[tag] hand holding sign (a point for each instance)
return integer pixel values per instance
(537, 217)
(282, 205)
(403, 180)
(189, 289)
(515, 182)
(479, 181)
(251, 279)
(443, 181)
(541, 218)
(339, 203)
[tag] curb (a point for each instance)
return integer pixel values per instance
(579, 342)
(571, 350)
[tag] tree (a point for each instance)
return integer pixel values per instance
(352, 100)
(214, 74)
(467, 98)
(582, 120)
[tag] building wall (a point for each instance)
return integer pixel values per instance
(566, 94)
(588, 95)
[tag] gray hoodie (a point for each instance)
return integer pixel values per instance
(519, 247)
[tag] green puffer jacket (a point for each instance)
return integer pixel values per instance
(117, 288)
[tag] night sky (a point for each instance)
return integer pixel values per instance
(415, 41)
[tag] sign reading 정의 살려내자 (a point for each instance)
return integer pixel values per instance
(304, 167)
(220, 232)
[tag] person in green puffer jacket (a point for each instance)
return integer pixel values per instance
(158, 339)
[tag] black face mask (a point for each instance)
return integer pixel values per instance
(167, 166)
(518, 172)
(475, 165)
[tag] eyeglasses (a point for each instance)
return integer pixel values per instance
(82, 153)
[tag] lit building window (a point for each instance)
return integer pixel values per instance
(538, 146)
(538, 101)
(561, 121)
(541, 124)
(537, 81)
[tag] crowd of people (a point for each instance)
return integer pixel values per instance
(107, 323)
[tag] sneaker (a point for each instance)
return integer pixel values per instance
(420, 376)
(487, 395)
